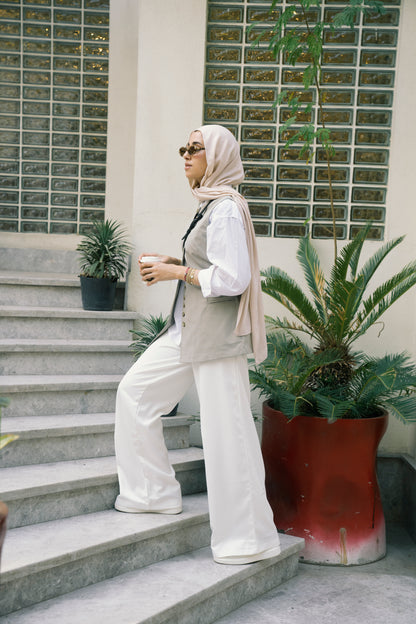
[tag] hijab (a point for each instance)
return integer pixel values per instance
(224, 172)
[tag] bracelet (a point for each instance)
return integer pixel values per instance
(186, 273)
(189, 277)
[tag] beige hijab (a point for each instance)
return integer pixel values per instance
(225, 171)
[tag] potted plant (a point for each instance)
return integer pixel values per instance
(325, 409)
(150, 328)
(4, 439)
(104, 256)
(326, 403)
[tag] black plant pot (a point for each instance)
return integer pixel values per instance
(98, 293)
(172, 412)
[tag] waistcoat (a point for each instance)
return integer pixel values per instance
(208, 323)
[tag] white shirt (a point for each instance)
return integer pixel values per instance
(229, 273)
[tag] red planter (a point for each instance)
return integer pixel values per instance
(3, 520)
(321, 484)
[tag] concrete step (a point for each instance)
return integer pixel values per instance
(44, 395)
(39, 260)
(38, 493)
(64, 323)
(45, 439)
(187, 589)
(87, 549)
(61, 290)
(60, 357)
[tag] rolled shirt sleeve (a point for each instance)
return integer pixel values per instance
(229, 273)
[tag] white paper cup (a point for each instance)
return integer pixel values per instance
(150, 259)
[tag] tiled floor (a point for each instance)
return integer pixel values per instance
(379, 593)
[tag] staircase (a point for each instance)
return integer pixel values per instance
(68, 555)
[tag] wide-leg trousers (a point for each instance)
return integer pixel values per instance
(240, 516)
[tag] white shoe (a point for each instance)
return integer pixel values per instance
(171, 510)
(243, 559)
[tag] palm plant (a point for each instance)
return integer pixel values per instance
(104, 252)
(329, 378)
(150, 328)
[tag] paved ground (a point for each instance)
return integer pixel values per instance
(379, 593)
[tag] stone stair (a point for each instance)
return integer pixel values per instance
(68, 555)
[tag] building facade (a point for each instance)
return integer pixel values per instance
(96, 97)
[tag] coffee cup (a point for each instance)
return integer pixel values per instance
(146, 259)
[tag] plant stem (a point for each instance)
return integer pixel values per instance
(317, 76)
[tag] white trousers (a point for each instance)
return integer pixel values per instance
(241, 518)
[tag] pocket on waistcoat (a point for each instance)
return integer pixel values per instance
(220, 299)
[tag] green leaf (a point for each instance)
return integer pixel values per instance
(310, 74)
(289, 122)
(383, 298)
(150, 328)
(331, 409)
(314, 276)
(345, 297)
(350, 15)
(373, 263)
(6, 439)
(285, 290)
(283, 96)
(403, 408)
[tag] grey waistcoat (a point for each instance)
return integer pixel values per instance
(208, 323)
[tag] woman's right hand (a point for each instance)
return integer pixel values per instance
(159, 268)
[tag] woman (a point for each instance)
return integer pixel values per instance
(217, 319)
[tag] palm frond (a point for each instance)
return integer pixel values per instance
(265, 385)
(372, 264)
(379, 381)
(282, 370)
(150, 328)
(292, 405)
(284, 289)
(312, 270)
(344, 297)
(348, 254)
(330, 409)
(402, 407)
(383, 298)
(287, 368)
(356, 253)
(344, 292)
(273, 324)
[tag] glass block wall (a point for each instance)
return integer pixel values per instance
(53, 114)
(288, 197)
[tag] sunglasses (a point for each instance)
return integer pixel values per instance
(191, 150)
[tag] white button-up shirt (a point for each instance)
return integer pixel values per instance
(229, 273)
